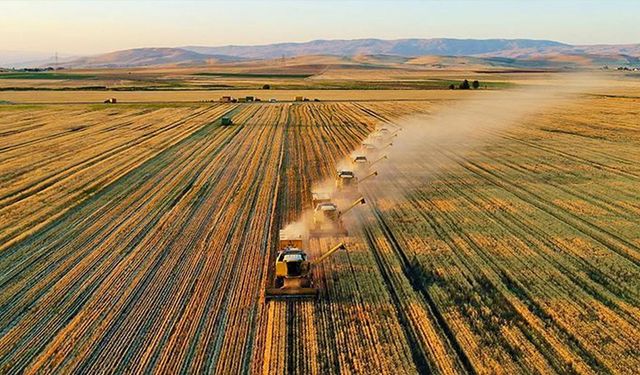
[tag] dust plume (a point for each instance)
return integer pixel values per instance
(421, 147)
(300, 227)
(409, 152)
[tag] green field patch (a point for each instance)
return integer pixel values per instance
(9, 106)
(43, 75)
(255, 75)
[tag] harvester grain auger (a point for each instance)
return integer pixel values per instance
(327, 219)
(372, 174)
(383, 157)
(293, 279)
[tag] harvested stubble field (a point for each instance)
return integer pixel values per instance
(141, 238)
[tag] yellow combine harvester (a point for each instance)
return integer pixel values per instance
(360, 160)
(361, 163)
(293, 277)
(384, 131)
(327, 219)
(346, 179)
(318, 197)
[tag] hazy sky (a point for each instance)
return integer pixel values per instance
(81, 27)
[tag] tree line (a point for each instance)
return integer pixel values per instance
(465, 85)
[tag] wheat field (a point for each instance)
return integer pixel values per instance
(140, 238)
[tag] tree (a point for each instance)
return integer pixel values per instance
(266, 87)
(475, 84)
(465, 85)
(452, 86)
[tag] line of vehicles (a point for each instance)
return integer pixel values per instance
(293, 266)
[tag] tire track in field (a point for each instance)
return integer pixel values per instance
(526, 298)
(410, 274)
(572, 157)
(612, 241)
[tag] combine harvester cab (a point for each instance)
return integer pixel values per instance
(326, 221)
(346, 186)
(346, 180)
(360, 163)
(293, 277)
(360, 160)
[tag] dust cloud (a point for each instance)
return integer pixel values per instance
(463, 126)
(402, 149)
(300, 227)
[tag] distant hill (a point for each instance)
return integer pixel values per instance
(400, 47)
(22, 59)
(148, 57)
(516, 53)
(582, 55)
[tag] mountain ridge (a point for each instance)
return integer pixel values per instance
(350, 47)
(149, 57)
(520, 50)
